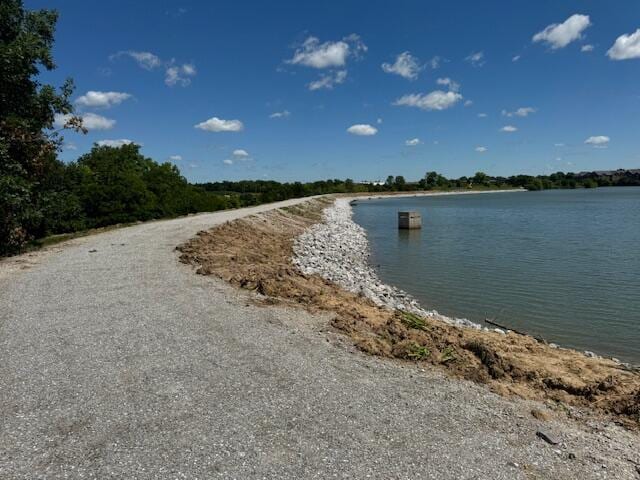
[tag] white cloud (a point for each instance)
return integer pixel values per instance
(240, 153)
(520, 112)
(94, 99)
(482, 115)
(434, 63)
(215, 124)
(70, 146)
(173, 74)
(598, 141)
(516, 58)
(587, 48)
(114, 143)
(476, 59)
(413, 142)
(282, 114)
(406, 65)
(179, 74)
(329, 54)
(436, 100)
(468, 103)
(228, 161)
(327, 82)
(559, 35)
(453, 86)
(175, 158)
(90, 121)
(146, 60)
(625, 47)
(379, 121)
(558, 144)
(362, 130)
(481, 149)
(509, 129)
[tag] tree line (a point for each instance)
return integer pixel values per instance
(41, 195)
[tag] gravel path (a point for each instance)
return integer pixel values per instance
(117, 361)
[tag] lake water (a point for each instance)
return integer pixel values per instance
(562, 264)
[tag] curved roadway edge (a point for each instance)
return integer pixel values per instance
(117, 361)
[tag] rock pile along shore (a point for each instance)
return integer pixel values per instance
(338, 250)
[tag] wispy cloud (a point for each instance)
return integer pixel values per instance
(476, 59)
(520, 112)
(405, 65)
(282, 114)
(481, 149)
(328, 81)
(435, 62)
(436, 100)
(179, 74)
(453, 86)
(174, 73)
(146, 60)
(509, 129)
(413, 142)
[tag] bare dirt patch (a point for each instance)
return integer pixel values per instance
(255, 253)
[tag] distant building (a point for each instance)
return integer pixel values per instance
(371, 182)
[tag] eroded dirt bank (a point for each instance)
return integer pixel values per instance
(255, 253)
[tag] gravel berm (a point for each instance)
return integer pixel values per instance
(117, 361)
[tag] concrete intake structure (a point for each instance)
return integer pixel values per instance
(409, 220)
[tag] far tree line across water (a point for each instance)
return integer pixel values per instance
(41, 195)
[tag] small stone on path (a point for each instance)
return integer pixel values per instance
(548, 437)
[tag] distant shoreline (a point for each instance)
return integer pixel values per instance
(369, 196)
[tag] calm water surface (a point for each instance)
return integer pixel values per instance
(563, 264)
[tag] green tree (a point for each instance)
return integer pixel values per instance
(390, 181)
(27, 109)
(480, 178)
(431, 179)
(400, 183)
(112, 187)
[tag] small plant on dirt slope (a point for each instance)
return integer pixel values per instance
(418, 352)
(413, 321)
(448, 354)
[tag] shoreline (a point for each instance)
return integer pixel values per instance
(427, 193)
(337, 265)
(508, 363)
(338, 250)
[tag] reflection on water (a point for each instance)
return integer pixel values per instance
(409, 237)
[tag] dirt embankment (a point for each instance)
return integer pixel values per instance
(255, 253)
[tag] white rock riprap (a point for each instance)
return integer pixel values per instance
(338, 250)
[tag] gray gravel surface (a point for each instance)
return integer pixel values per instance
(122, 363)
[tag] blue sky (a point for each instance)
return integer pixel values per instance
(352, 102)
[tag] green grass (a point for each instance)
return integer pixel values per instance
(418, 352)
(413, 321)
(448, 354)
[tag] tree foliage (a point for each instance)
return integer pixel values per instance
(27, 109)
